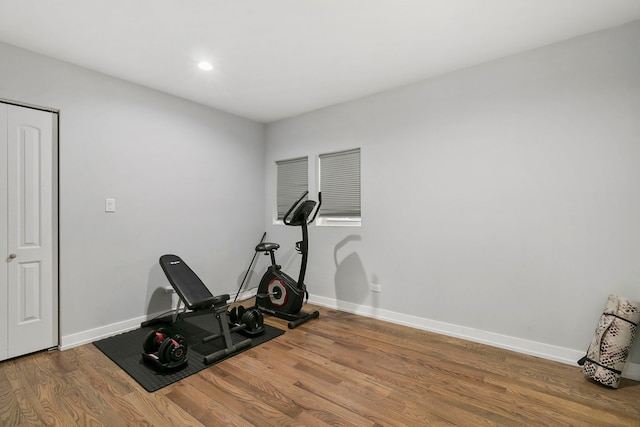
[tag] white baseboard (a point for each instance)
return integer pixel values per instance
(546, 351)
(91, 335)
(632, 371)
(533, 348)
(244, 295)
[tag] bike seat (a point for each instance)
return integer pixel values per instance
(267, 247)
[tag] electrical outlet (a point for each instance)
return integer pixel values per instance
(376, 287)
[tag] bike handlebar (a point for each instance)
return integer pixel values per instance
(303, 210)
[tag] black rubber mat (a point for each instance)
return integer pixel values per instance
(126, 349)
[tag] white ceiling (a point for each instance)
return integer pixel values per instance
(279, 58)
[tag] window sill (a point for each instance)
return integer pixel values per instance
(339, 222)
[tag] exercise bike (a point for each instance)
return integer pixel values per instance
(278, 293)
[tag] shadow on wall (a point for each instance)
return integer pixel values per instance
(350, 278)
(160, 300)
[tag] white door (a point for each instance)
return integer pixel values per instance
(31, 289)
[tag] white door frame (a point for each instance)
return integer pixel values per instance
(4, 245)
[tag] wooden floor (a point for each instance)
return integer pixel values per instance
(338, 370)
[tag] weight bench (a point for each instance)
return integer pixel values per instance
(197, 298)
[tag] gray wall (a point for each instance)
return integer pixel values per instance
(503, 198)
(186, 179)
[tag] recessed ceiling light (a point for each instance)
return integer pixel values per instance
(204, 65)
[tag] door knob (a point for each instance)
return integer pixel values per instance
(12, 256)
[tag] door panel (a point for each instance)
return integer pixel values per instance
(30, 188)
(30, 295)
(29, 292)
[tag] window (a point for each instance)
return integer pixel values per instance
(340, 187)
(293, 180)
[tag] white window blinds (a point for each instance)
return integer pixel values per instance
(293, 180)
(340, 184)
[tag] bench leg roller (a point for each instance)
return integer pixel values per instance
(213, 357)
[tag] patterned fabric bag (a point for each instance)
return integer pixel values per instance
(612, 341)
